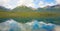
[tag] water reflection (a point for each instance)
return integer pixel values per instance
(35, 26)
(12, 25)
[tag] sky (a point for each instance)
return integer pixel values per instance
(11, 4)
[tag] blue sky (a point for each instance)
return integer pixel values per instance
(36, 2)
(48, 1)
(30, 3)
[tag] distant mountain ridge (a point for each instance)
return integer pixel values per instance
(24, 8)
(54, 6)
(3, 8)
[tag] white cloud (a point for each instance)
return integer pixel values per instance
(41, 4)
(2, 2)
(29, 3)
(11, 4)
(58, 1)
(14, 3)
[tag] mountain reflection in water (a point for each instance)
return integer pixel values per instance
(12, 25)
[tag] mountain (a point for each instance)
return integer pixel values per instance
(25, 14)
(54, 6)
(22, 8)
(25, 8)
(3, 8)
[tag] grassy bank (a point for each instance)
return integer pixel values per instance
(28, 16)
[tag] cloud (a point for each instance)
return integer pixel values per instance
(2, 2)
(29, 3)
(41, 4)
(46, 3)
(36, 3)
(58, 1)
(11, 4)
